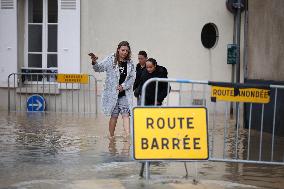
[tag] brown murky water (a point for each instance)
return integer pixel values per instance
(73, 151)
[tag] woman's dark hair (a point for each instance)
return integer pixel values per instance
(122, 43)
(143, 53)
(153, 61)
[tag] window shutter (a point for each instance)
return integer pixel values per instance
(69, 36)
(7, 4)
(8, 40)
(68, 4)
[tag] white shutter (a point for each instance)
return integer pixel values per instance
(69, 36)
(8, 40)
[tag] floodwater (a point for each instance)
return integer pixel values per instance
(56, 150)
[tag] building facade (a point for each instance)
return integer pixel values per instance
(57, 35)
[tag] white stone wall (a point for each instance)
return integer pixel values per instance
(168, 30)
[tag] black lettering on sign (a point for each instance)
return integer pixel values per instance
(257, 94)
(261, 94)
(219, 92)
(266, 94)
(215, 92)
(175, 143)
(189, 122)
(232, 93)
(154, 144)
(180, 121)
(247, 93)
(160, 123)
(144, 143)
(173, 125)
(186, 143)
(165, 143)
(196, 143)
(149, 122)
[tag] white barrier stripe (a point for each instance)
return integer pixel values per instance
(261, 132)
(84, 94)
(179, 96)
(61, 99)
(72, 96)
(168, 96)
(156, 92)
(90, 101)
(49, 89)
(213, 129)
(15, 100)
(274, 116)
(250, 110)
(277, 86)
(192, 94)
(79, 87)
(237, 134)
(203, 96)
(20, 96)
(225, 129)
(245, 161)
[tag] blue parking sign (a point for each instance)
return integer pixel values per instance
(35, 103)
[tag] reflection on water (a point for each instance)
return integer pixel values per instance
(73, 151)
(124, 152)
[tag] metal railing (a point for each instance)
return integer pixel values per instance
(59, 97)
(231, 138)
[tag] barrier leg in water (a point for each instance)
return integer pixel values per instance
(142, 169)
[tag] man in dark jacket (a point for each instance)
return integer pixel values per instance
(140, 67)
(153, 71)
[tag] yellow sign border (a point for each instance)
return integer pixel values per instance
(168, 159)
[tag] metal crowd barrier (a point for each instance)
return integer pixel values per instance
(231, 136)
(59, 97)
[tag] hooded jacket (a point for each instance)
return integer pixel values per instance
(139, 71)
(160, 72)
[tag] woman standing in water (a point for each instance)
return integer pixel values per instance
(117, 95)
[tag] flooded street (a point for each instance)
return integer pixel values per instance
(56, 150)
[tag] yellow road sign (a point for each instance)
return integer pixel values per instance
(170, 133)
(73, 78)
(253, 95)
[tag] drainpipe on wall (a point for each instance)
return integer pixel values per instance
(245, 66)
(233, 66)
(238, 6)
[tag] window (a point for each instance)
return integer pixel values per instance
(41, 30)
(209, 35)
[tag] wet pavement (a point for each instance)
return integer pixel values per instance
(56, 150)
